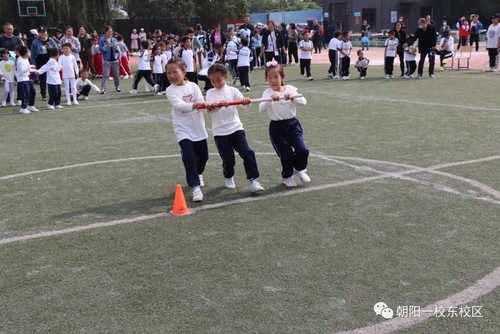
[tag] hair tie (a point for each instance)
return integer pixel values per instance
(272, 63)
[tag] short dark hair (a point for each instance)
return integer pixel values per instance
(244, 41)
(144, 44)
(23, 50)
(185, 38)
(67, 44)
(54, 52)
(345, 33)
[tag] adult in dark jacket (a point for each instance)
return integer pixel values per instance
(218, 36)
(426, 35)
(272, 43)
(40, 55)
(400, 34)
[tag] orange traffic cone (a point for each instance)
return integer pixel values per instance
(180, 206)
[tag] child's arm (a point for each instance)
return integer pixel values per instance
(291, 91)
(75, 67)
(179, 104)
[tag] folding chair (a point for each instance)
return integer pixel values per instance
(465, 53)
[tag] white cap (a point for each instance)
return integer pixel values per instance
(34, 32)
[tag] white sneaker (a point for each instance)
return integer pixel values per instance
(362, 78)
(75, 102)
(50, 107)
(255, 186)
(302, 175)
(290, 182)
(247, 88)
(19, 102)
(12, 104)
(126, 77)
(347, 78)
(59, 106)
(431, 76)
(85, 97)
(32, 108)
(68, 103)
(336, 77)
(329, 75)
(24, 111)
(4, 104)
(133, 91)
(156, 88)
(229, 183)
(387, 76)
(202, 182)
(302, 76)
(310, 78)
(197, 194)
(406, 77)
(391, 76)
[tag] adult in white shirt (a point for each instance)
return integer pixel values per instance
(446, 45)
(493, 40)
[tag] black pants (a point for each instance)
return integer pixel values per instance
(269, 55)
(194, 157)
(474, 38)
(444, 54)
(293, 51)
(401, 55)
(55, 94)
(288, 141)
(244, 73)
(146, 74)
(158, 78)
(411, 66)
(237, 141)
(362, 71)
(257, 59)
(305, 66)
(42, 79)
(333, 56)
(461, 41)
(344, 66)
(492, 54)
(208, 83)
(85, 91)
(26, 93)
(233, 67)
(389, 65)
(317, 46)
(432, 59)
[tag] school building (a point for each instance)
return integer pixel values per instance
(380, 14)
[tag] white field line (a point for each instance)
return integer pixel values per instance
(480, 288)
(408, 102)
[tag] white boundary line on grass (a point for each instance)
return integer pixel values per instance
(480, 288)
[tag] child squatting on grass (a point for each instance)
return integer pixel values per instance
(285, 130)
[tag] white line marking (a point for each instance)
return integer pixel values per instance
(480, 288)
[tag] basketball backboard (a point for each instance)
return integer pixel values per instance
(31, 8)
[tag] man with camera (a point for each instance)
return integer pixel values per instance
(40, 55)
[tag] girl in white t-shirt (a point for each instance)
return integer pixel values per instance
(391, 48)
(410, 55)
(285, 129)
(189, 124)
(493, 41)
(333, 55)
(228, 130)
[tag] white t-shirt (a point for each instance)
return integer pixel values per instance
(7, 69)
(282, 109)
(69, 66)
(157, 64)
(410, 52)
(231, 50)
(493, 34)
(334, 44)
(345, 47)
(23, 69)
(244, 57)
(188, 123)
(449, 44)
(225, 121)
(391, 47)
(306, 54)
(187, 57)
(52, 69)
(144, 61)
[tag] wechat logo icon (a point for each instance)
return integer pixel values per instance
(382, 309)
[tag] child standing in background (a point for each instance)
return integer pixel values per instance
(285, 130)
(333, 46)
(228, 131)
(144, 68)
(158, 64)
(256, 44)
(97, 58)
(189, 124)
(306, 47)
(125, 71)
(26, 90)
(244, 59)
(70, 70)
(187, 55)
(53, 69)
(410, 55)
(231, 56)
(344, 50)
(212, 57)
(391, 48)
(362, 64)
(7, 69)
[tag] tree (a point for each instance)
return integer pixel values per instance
(264, 6)
(157, 9)
(217, 11)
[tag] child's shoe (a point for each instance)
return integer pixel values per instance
(32, 108)
(197, 194)
(302, 175)
(255, 186)
(50, 107)
(229, 183)
(24, 111)
(290, 182)
(59, 106)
